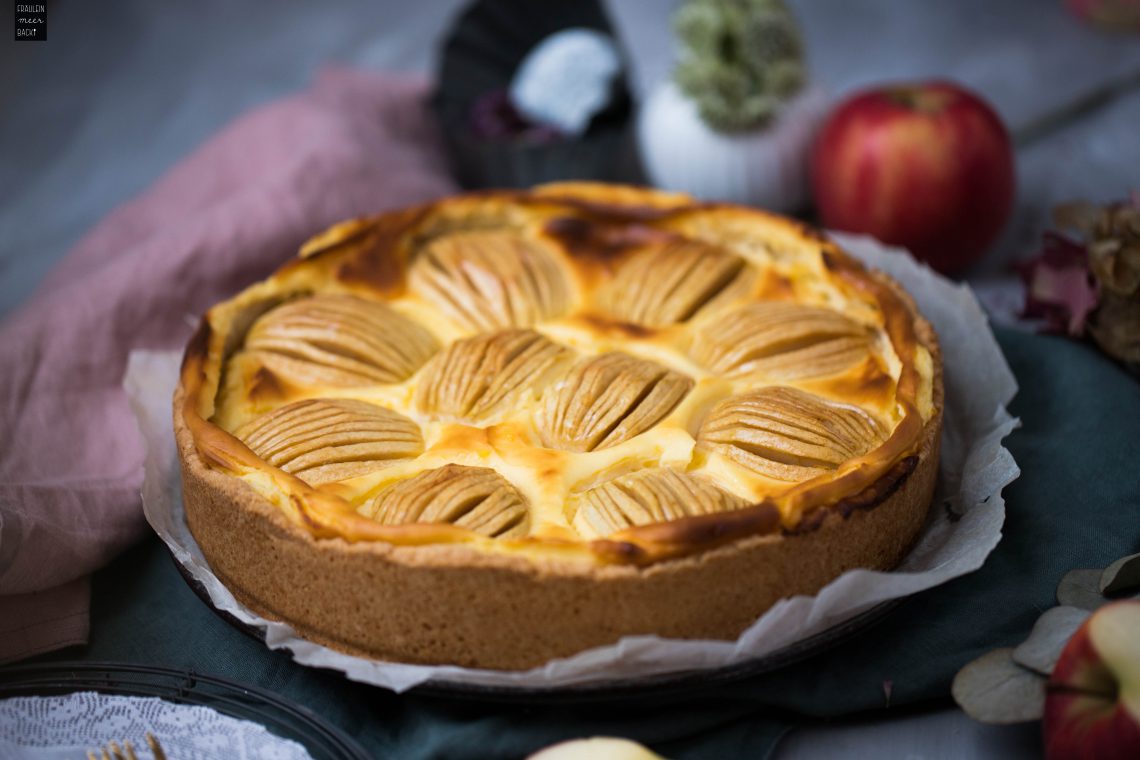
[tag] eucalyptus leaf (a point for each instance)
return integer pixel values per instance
(995, 689)
(1081, 588)
(1121, 575)
(1050, 633)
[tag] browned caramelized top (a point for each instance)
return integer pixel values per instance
(604, 373)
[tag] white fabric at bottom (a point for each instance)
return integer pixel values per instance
(55, 728)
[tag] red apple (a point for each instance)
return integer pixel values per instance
(925, 166)
(1092, 700)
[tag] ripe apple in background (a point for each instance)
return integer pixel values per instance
(1092, 701)
(926, 166)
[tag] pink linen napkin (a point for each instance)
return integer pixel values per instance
(70, 455)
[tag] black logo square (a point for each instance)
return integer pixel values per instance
(31, 22)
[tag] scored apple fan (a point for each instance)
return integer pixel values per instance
(644, 497)
(476, 498)
(788, 434)
(490, 279)
(608, 399)
(339, 340)
(476, 377)
(784, 341)
(665, 285)
(326, 440)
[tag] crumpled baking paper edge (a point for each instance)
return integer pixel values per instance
(964, 525)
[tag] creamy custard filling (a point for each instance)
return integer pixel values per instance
(494, 384)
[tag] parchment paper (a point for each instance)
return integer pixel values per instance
(964, 525)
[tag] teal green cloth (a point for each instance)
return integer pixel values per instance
(1077, 504)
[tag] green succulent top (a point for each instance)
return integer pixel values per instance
(740, 60)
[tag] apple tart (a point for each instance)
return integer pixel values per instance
(506, 427)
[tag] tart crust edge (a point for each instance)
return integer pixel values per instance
(455, 604)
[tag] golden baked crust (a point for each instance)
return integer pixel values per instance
(506, 427)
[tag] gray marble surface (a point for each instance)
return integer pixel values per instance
(121, 90)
